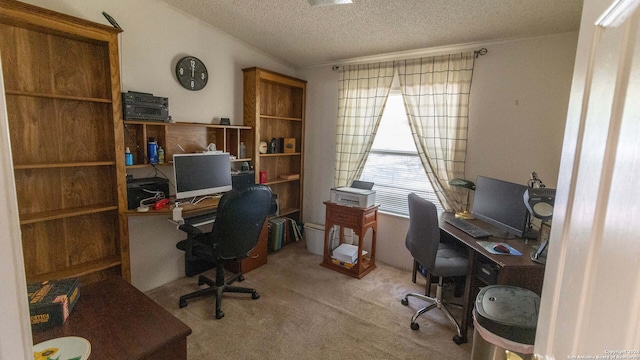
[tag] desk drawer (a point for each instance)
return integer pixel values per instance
(487, 272)
(343, 217)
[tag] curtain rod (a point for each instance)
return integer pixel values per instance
(476, 54)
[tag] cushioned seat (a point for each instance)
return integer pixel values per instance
(438, 259)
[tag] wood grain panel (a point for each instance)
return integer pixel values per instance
(34, 131)
(53, 246)
(25, 60)
(190, 138)
(85, 136)
(91, 237)
(80, 68)
(50, 189)
(43, 247)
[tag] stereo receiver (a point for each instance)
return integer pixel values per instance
(144, 106)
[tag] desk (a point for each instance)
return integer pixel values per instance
(121, 322)
(256, 258)
(203, 206)
(511, 270)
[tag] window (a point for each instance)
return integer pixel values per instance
(393, 164)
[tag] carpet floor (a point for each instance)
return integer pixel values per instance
(306, 311)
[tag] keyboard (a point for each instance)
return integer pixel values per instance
(202, 219)
(469, 228)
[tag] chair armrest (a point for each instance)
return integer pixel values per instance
(190, 229)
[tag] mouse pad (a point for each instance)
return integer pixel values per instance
(488, 245)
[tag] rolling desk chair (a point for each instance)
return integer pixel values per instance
(440, 260)
(240, 217)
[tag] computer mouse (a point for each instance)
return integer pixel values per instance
(501, 248)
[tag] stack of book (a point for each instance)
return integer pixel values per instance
(282, 231)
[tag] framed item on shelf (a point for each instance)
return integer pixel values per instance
(289, 145)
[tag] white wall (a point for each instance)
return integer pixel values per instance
(155, 36)
(519, 99)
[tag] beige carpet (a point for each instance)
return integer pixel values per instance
(306, 311)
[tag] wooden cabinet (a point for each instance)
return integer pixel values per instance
(360, 220)
(274, 106)
(62, 89)
(180, 138)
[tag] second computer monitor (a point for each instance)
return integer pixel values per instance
(501, 204)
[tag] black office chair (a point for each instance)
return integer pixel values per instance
(440, 260)
(236, 230)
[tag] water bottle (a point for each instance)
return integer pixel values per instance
(152, 151)
(243, 150)
(128, 157)
(160, 155)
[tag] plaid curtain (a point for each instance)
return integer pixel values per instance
(436, 96)
(363, 92)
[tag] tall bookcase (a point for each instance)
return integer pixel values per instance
(274, 106)
(62, 89)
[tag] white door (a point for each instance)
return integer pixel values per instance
(591, 297)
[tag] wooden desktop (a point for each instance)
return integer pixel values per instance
(121, 322)
(493, 269)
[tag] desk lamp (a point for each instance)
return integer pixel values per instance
(469, 185)
(539, 201)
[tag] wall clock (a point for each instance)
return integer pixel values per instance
(191, 73)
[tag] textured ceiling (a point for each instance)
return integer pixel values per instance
(301, 35)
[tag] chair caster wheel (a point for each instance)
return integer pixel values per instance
(404, 301)
(255, 295)
(201, 282)
(458, 340)
(415, 326)
(182, 303)
(219, 314)
(240, 278)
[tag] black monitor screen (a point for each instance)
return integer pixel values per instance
(501, 204)
(201, 174)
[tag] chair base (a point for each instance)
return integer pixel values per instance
(435, 302)
(218, 287)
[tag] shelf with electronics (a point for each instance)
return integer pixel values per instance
(274, 106)
(180, 138)
(64, 123)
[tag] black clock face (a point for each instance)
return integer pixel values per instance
(191, 73)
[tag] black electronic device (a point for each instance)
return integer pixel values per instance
(243, 179)
(145, 106)
(500, 204)
(201, 174)
(150, 189)
(469, 228)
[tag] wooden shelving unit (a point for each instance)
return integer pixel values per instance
(179, 138)
(274, 106)
(62, 88)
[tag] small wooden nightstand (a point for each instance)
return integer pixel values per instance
(360, 220)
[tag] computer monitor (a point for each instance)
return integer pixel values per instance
(501, 204)
(201, 174)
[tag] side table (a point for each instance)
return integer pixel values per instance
(360, 220)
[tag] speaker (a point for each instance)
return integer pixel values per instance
(242, 180)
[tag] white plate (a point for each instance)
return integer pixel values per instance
(63, 348)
